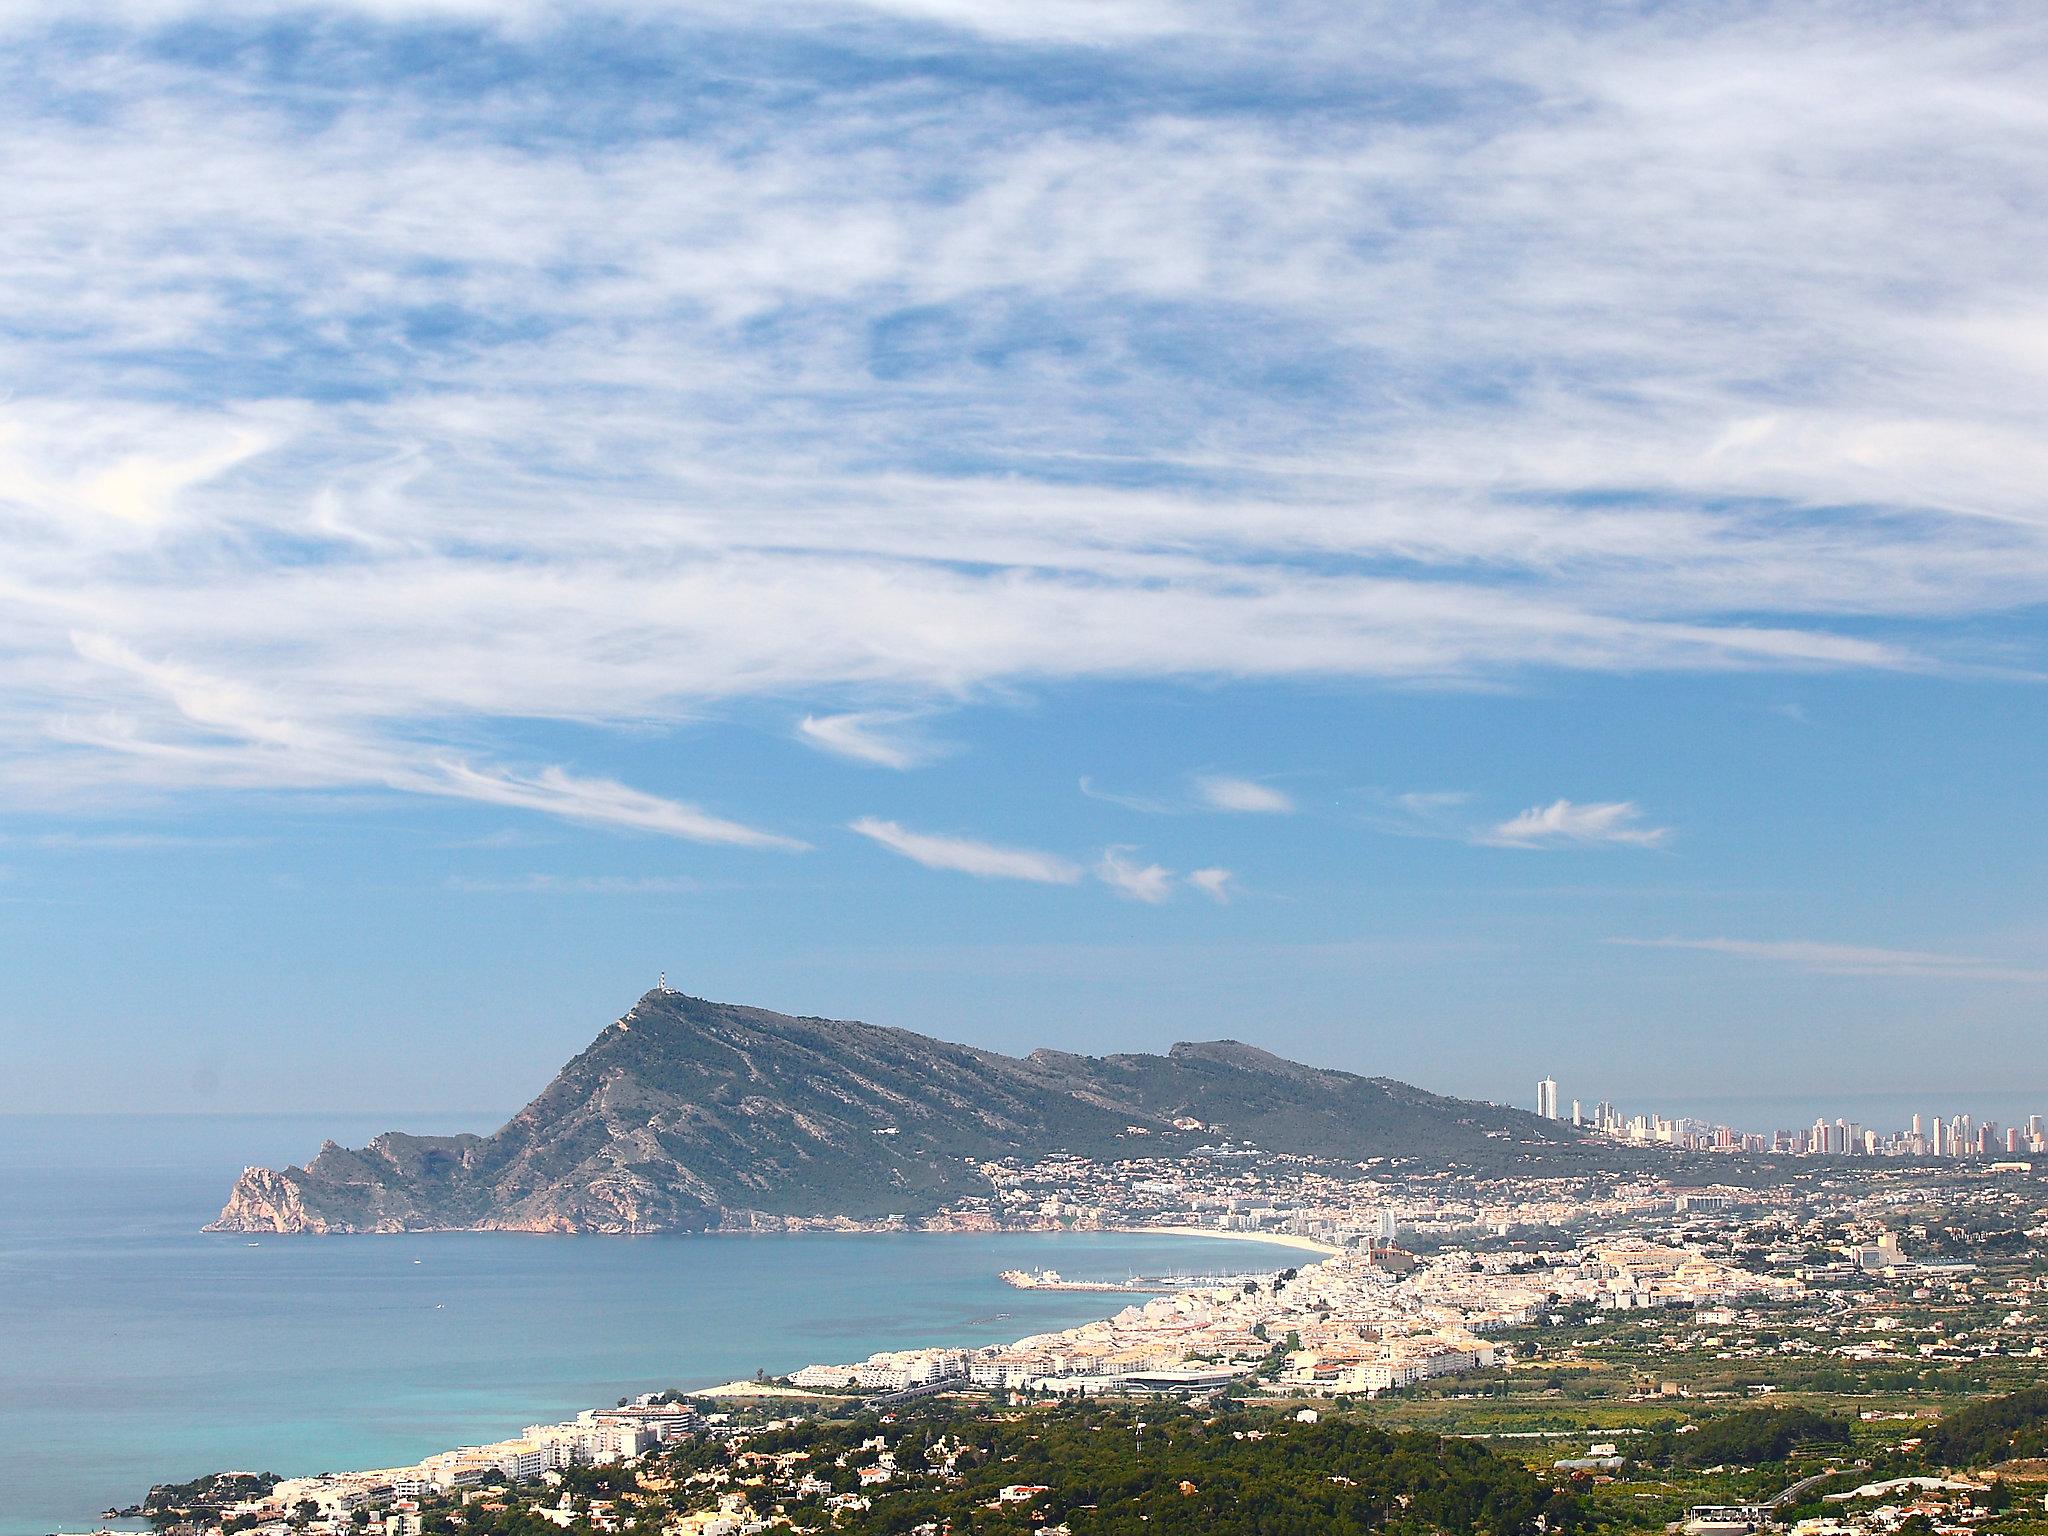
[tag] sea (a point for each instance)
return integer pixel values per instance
(135, 1349)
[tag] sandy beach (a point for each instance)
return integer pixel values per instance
(742, 1389)
(1275, 1239)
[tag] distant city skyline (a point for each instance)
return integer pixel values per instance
(1957, 1133)
(1439, 551)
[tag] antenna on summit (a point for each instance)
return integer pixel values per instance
(661, 983)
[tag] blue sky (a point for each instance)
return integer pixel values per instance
(1461, 543)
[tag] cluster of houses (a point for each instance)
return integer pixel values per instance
(1367, 1320)
(392, 1495)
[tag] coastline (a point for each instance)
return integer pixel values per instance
(407, 1377)
(1271, 1239)
(740, 1389)
(827, 1227)
(745, 1389)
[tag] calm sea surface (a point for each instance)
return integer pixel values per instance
(135, 1349)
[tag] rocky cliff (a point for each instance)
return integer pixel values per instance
(687, 1114)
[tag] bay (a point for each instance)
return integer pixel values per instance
(135, 1349)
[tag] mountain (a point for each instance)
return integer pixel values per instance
(688, 1114)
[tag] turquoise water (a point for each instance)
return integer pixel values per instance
(135, 1349)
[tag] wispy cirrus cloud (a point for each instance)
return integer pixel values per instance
(867, 736)
(1206, 792)
(191, 728)
(1081, 21)
(968, 856)
(1130, 877)
(555, 426)
(1565, 822)
(1420, 813)
(1451, 815)
(1145, 805)
(1149, 883)
(554, 791)
(1221, 792)
(1853, 959)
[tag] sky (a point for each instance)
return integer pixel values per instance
(1462, 543)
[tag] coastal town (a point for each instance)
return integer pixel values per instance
(1405, 1293)
(1023, 768)
(1363, 1320)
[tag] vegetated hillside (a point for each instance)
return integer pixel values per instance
(1748, 1437)
(688, 1114)
(2010, 1428)
(1162, 1470)
(1282, 1105)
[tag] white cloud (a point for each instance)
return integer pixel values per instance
(864, 736)
(989, 861)
(1141, 882)
(1222, 793)
(1853, 959)
(898, 385)
(1562, 821)
(1212, 883)
(218, 732)
(1085, 21)
(1080, 21)
(604, 802)
(1143, 804)
(1420, 813)
(1444, 814)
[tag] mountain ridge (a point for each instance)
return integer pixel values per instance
(686, 1114)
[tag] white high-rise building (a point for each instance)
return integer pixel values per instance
(1546, 1098)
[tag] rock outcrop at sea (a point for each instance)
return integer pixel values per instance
(264, 1200)
(686, 1115)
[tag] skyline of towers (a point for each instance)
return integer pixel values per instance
(1954, 1136)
